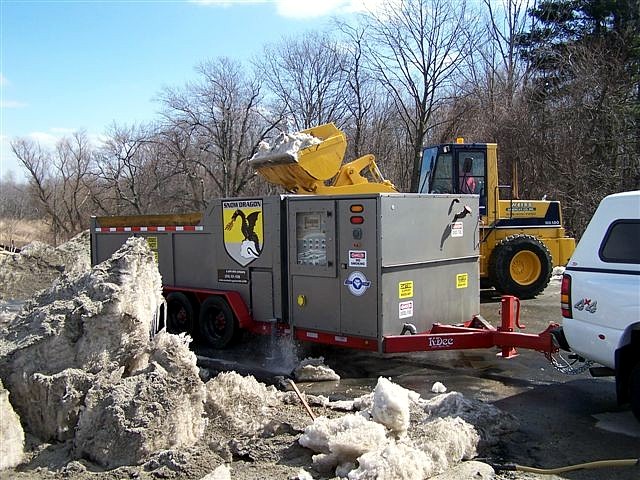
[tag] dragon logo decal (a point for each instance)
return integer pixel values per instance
(243, 229)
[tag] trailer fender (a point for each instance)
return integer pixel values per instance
(239, 309)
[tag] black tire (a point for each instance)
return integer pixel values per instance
(180, 313)
(634, 390)
(218, 326)
(520, 265)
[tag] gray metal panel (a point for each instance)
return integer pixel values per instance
(195, 263)
(105, 244)
(417, 228)
(262, 293)
(446, 292)
(321, 308)
(358, 261)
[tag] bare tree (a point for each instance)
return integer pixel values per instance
(120, 166)
(223, 120)
(416, 48)
(308, 76)
(60, 181)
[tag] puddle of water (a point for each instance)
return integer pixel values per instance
(619, 422)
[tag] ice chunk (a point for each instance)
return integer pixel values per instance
(438, 388)
(391, 406)
(314, 370)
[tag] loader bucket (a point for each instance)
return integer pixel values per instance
(307, 167)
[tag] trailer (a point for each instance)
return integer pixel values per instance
(366, 271)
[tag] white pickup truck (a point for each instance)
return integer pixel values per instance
(600, 295)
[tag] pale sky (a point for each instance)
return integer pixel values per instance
(67, 65)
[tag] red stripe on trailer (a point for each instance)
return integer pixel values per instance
(169, 228)
(359, 343)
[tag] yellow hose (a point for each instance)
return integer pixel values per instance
(630, 462)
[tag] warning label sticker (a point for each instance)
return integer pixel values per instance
(357, 258)
(405, 309)
(153, 246)
(462, 280)
(457, 229)
(405, 289)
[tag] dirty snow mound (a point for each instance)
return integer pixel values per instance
(288, 144)
(395, 460)
(342, 440)
(242, 401)
(489, 421)
(438, 388)
(220, 473)
(82, 364)
(447, 441)
(391, 406)
(11, 433)
(434, 435)
(39, 265)
(145, 419)
(314, 370)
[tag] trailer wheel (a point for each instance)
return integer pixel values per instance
(180, 313)
(520, 265)
(634, 390)
(218, 325)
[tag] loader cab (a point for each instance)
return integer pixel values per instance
(459, 168)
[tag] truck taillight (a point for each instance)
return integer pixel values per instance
(565, 296)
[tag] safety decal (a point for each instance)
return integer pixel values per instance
(243, 229)
(405, 289)
(153, 246)
(462, 280)
(457, 229)
(358, 258)
(357, 283)
(405, 309)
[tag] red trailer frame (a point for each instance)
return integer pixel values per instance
(477, 333)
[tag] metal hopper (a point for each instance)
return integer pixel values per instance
(303, 168)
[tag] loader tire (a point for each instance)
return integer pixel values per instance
(180, 313)
(218, 326)
(520, 265)
(634, 390)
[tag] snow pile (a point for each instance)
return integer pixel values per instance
(340, 441)
(220, 473)
(11, 433)
(38, 265)
(285, 145)
(490, 422)
(396, 434)
(83, 366)
(395, 460)
(314, 370)
(438, 388)
(242, 403)
(391, 406)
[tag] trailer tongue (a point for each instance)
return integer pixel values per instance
(477, 333)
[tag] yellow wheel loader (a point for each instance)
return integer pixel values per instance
(520, 240)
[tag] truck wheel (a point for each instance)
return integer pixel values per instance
(180, 314)
(634, 390)
(218, 325)
(520, 265)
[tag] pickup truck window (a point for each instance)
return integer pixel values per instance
(621, 244)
